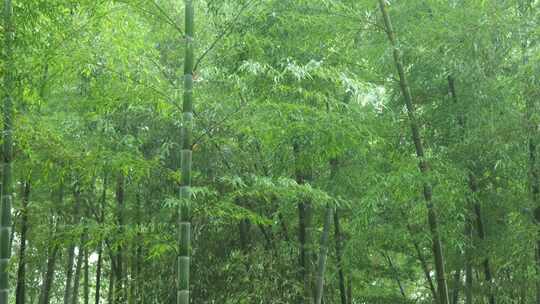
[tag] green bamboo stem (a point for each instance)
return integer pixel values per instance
(184, 223)
(20, 290)
(7, 185)
(424, 166)
(323, 255)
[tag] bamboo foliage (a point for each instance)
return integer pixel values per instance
(287, 94)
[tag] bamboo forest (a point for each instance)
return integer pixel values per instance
(270, 151)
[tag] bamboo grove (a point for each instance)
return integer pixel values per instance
(270, 151)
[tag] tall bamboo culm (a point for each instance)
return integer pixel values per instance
(423, 164)
(7, 187)
(184, 224)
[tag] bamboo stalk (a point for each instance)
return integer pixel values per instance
(184, 221)
(7, 184)
(423, 164)
(322, 255)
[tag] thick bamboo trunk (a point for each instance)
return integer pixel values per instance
(322, 255)
(7, 155)
(20, 294)
(184, 216)
(424, 166)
